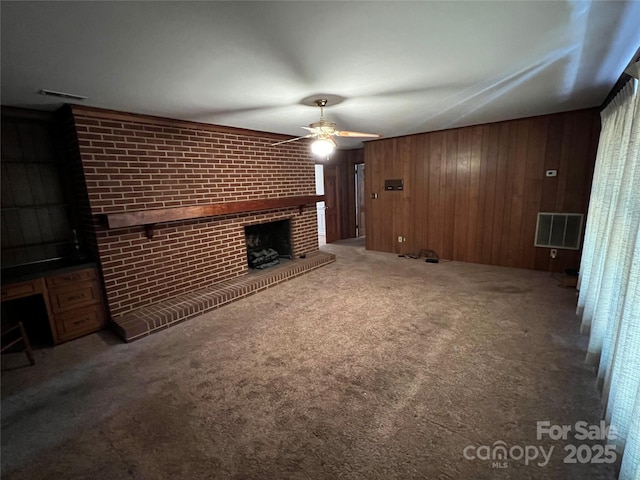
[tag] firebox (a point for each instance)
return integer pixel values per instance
(267, 243)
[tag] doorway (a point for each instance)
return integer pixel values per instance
(320, 206)
(339, 179)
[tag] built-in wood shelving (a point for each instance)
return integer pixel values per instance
(148, 218)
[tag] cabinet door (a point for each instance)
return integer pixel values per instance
(71, 277)
(80, 321)
(74, 295)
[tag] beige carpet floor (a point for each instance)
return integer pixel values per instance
(374, 367)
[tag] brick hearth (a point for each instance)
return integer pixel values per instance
(158, 316)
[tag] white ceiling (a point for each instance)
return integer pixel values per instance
(401, 67)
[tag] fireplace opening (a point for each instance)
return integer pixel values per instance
(267, 243)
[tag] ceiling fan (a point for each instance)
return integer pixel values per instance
(323, 131)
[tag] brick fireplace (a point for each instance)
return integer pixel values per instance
(267, 243)
(136, 163)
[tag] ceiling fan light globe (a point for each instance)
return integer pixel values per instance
(322, 147)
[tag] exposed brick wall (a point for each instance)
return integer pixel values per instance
(86, 222)
(134, 162)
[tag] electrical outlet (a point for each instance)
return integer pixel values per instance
(399, 239)
(552, 173)
(554, 253)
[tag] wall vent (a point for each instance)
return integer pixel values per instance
(559, 230)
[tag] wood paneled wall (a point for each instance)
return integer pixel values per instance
(472, 194)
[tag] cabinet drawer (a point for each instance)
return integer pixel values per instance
(73, 296)
(18, 290)
(79, 322)
(71, 277)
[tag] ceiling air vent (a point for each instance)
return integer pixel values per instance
(559, 230)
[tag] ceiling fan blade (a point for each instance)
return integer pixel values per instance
(346, 133)
(314, 130)
(293, 139)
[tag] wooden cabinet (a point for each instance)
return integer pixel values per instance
(76, 303)
(72, 297)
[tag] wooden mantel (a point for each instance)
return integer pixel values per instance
(158, 215)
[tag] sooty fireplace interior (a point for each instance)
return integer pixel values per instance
(267, 243)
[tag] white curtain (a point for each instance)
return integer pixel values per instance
(609, 282)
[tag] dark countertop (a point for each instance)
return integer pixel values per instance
(22, 273)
